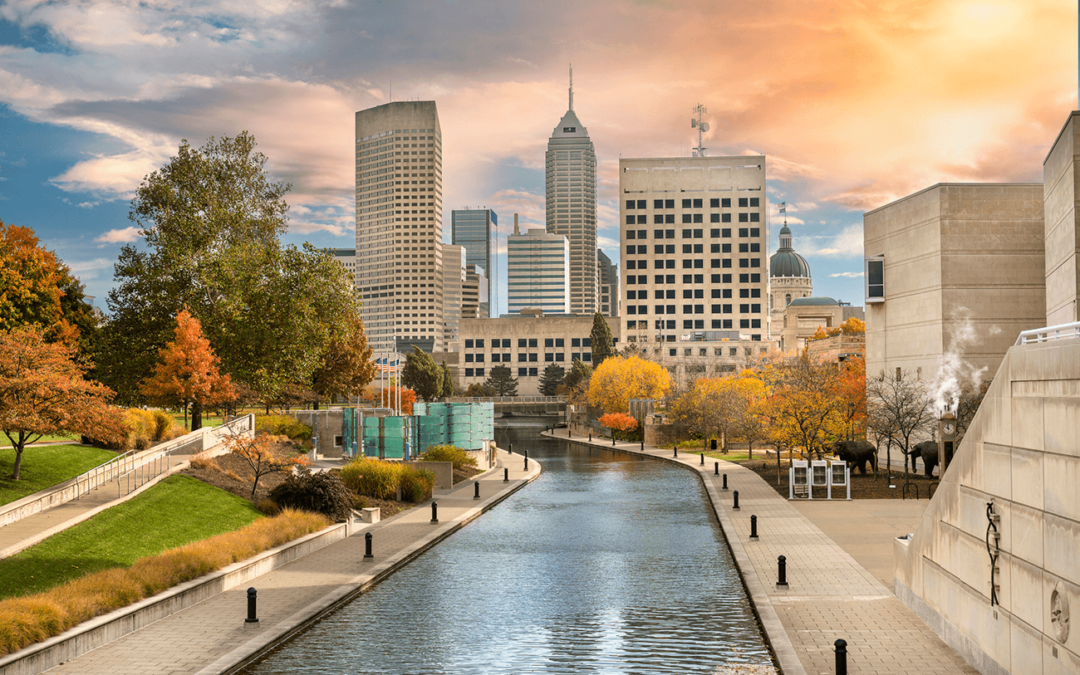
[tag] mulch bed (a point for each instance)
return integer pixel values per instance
(862, 487)
(465, 473)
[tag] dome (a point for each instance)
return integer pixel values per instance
(821, 300)
(786, 262)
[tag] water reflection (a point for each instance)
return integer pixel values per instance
(605, 564)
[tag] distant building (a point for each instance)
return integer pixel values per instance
(473, 229)
(453, 288)
(474, 297)
(608, 280)
(706, 354)
(538, 272)
(347, 257)
(789, 280)
(804, 316)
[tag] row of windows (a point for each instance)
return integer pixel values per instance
(745, 308)
(694, 324)
(688, 264)
(714, 203)
(662, 219)
(669, 249)
(524, 343)
(695, 233)
(522, 357)
(643, 279)
(694, 293)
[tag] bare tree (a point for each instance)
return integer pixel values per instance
(898, 410)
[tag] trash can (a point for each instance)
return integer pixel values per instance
(712, 444)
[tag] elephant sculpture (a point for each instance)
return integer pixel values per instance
(856, 454)
(928, 451)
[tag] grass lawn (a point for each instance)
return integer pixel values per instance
(44, 466)
(177, 511)
(733, 456)
(44, 439)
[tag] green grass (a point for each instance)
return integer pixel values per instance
(44, 466)
(177, 511)
(733, 456)
(5, 442)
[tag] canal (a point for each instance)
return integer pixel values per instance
(605, 564)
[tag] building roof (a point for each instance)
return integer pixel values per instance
(822, 300)
(570, 121)
(786, 262)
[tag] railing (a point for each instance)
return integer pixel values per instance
(507, 399)
(1061, 331)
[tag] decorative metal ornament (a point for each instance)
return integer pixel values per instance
(1059, 613)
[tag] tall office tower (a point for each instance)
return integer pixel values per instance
(399, 225)
(474, 297)
(694, 239)
(473, 229)
(453, 258)
(571, 203)
(607, 275)
(538, 271)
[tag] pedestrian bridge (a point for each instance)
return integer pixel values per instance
(518, 406)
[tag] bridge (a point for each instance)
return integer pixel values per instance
(518, 406)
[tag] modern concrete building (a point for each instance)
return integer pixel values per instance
(526, 345)
(571, 204)
(789, 279)
(538, 272)
(453, 258)
(608, 284)
(801, 319)
(347, 258)
(1062, 245)
(399, 225)
(694, 237)
(957, 267)
(474, 297)
(475, 231)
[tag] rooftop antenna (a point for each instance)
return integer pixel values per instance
(571, 86)
(696, 123)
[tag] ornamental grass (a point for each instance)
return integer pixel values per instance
(30, 619)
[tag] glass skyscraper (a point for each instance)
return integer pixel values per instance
(472, 229)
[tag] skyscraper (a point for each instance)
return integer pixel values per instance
(399, 225)
(608, 280)
(571, 203)
(473, 229)
(453, 258)
(537, 271)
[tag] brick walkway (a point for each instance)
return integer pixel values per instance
(211, 636)
(830, 596)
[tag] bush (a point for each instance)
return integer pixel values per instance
(283, 425)
(163, 424)
(416, 484)
(449, 453)
(373, 477)
(321, 492)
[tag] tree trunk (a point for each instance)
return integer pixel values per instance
(18, 460)
(196, 416)
(750, 449)
(185, 407)
(888, 460)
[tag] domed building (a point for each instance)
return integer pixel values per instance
(789, 280)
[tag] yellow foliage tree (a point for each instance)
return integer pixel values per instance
(820, 334)
(805, 407)
(619, 379)
(853, 325)
(724, 407)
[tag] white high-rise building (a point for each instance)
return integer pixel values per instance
(399, 225)
(453, 285)
(538, 271)
(695, 240)
(571, 203)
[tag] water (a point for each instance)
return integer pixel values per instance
(604, 564)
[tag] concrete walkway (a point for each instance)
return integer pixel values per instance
(211, 637)
(830, 595)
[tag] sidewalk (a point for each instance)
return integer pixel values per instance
(830, 595)
(211, 637)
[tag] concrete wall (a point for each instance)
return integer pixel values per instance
(1062, 243)
(1022, 453)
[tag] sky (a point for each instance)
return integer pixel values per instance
(854, 104)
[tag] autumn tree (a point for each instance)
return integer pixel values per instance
(723, 407)
(389, 397)
(600, 337)
(576, 381)
(551, 378)
(346, 367)
(619, 379)
(422, 375)
(501, 381)
(43, 391)
(261, 456)
(804, 403)
(851, 389)
(618, 422)
(187, 374)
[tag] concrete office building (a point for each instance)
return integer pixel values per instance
(1062, 245)
(955, 266)
(694, 237)
(608, 284)
(789, 280)
(538, 272)
(571, 204)
(399, 225)
(474, 297)
(347, 258)
(453, 258)
(526, 345)
(706, 354)
(475, 230)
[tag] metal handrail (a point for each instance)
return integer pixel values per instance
(1058, 332)
(506, 399)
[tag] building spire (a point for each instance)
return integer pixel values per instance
(571, 86)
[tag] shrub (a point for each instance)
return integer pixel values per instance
(416, 484)
(321, 492)
(163, 424)
(449, 453)
(373, 477)
(269, 507)
(283, 425)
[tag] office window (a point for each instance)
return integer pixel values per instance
(495, 358)
(641, 234)
(717, 309)
(726, 309)
(670, 248)
(670, 279)
(686, 217)
(575, 342)
(744, 202)
(659, 279)
(669, 218)
(586, 357)
(560, 356)
(686, 203)
(521, 343)
(468, 344)
(744, 232)
(587, 342)
(505, 343)
(726, 202)
(698, 218)
(744, 217)
(726, 232)
(755, 308)
(744, 309)
(642, 309)
(658, 264)
(549, 343)
(659, 309)
(755, 231)
(630, 203)
(670, 293)
(643, 279)
(479, 358)
(686, 234)
(549, 357)
(725, 218)
(744, 248)
(658, 219)
(687, 248)
(714, 218)
(523, 372)
(468, 358)
(480, 372)
(532, 372)
(874, 273)
(468, 372)
(641, 203)
(755, 247)
(755, 292)
(716, 324)
(697, 203)
(755, 323)
(642, 295)
(479, 344)
(658, 249)
(558, 342)
(532, 342)
(699, 233)
(670, 234)
(658, 203)
(755, 262)
(744, 292)
(631, 265)
(688, 323)
(630, 309)
(630, 220)
(687, 293)
(754, 201)
(755, 217)
(714, 203)
(727, 263)
(699, 292)
(522, 357)
(533, 357)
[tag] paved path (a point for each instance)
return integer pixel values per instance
(830, 595)
(210, 636)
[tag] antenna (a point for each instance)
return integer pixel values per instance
(696, 123)
(571, 86)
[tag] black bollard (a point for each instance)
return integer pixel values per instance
(725, 478)
(568, 431)
(676, 448)
(251, 617)
(841, 657)
(434, 512)
(526, 459)
(782, 565)
(506, 475)
(476, 492)
(643, 445)
(590, 437)
(753, 527)
(735, 506)
(703, 459)
(367, 547)
(716, 468)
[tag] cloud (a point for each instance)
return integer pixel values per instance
(848, 275)
(847, 244)
(88, 269)
(87, 205)
(121, 236)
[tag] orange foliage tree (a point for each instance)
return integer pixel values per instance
(618, 422)
(44, 391)
(851, 389)
(187, 373)
(261, 457)
(804, 403)
(619, 379)
(387, 398)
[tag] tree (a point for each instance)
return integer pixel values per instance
(899, 410)
(389, 397)
(619, 379)
(852, 392)
(43, 391)
(804, 403)
(723, 407)
(447, 382)
(186, 374)
(601, 340)
(347, 367)
(551, 378)
(967, 404)
(501, 381)
(618, 422)
(579, 375)
(422, 374)
(261, 456)
(211, 221)
(478, 390)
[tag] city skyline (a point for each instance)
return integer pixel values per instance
(94, 97)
